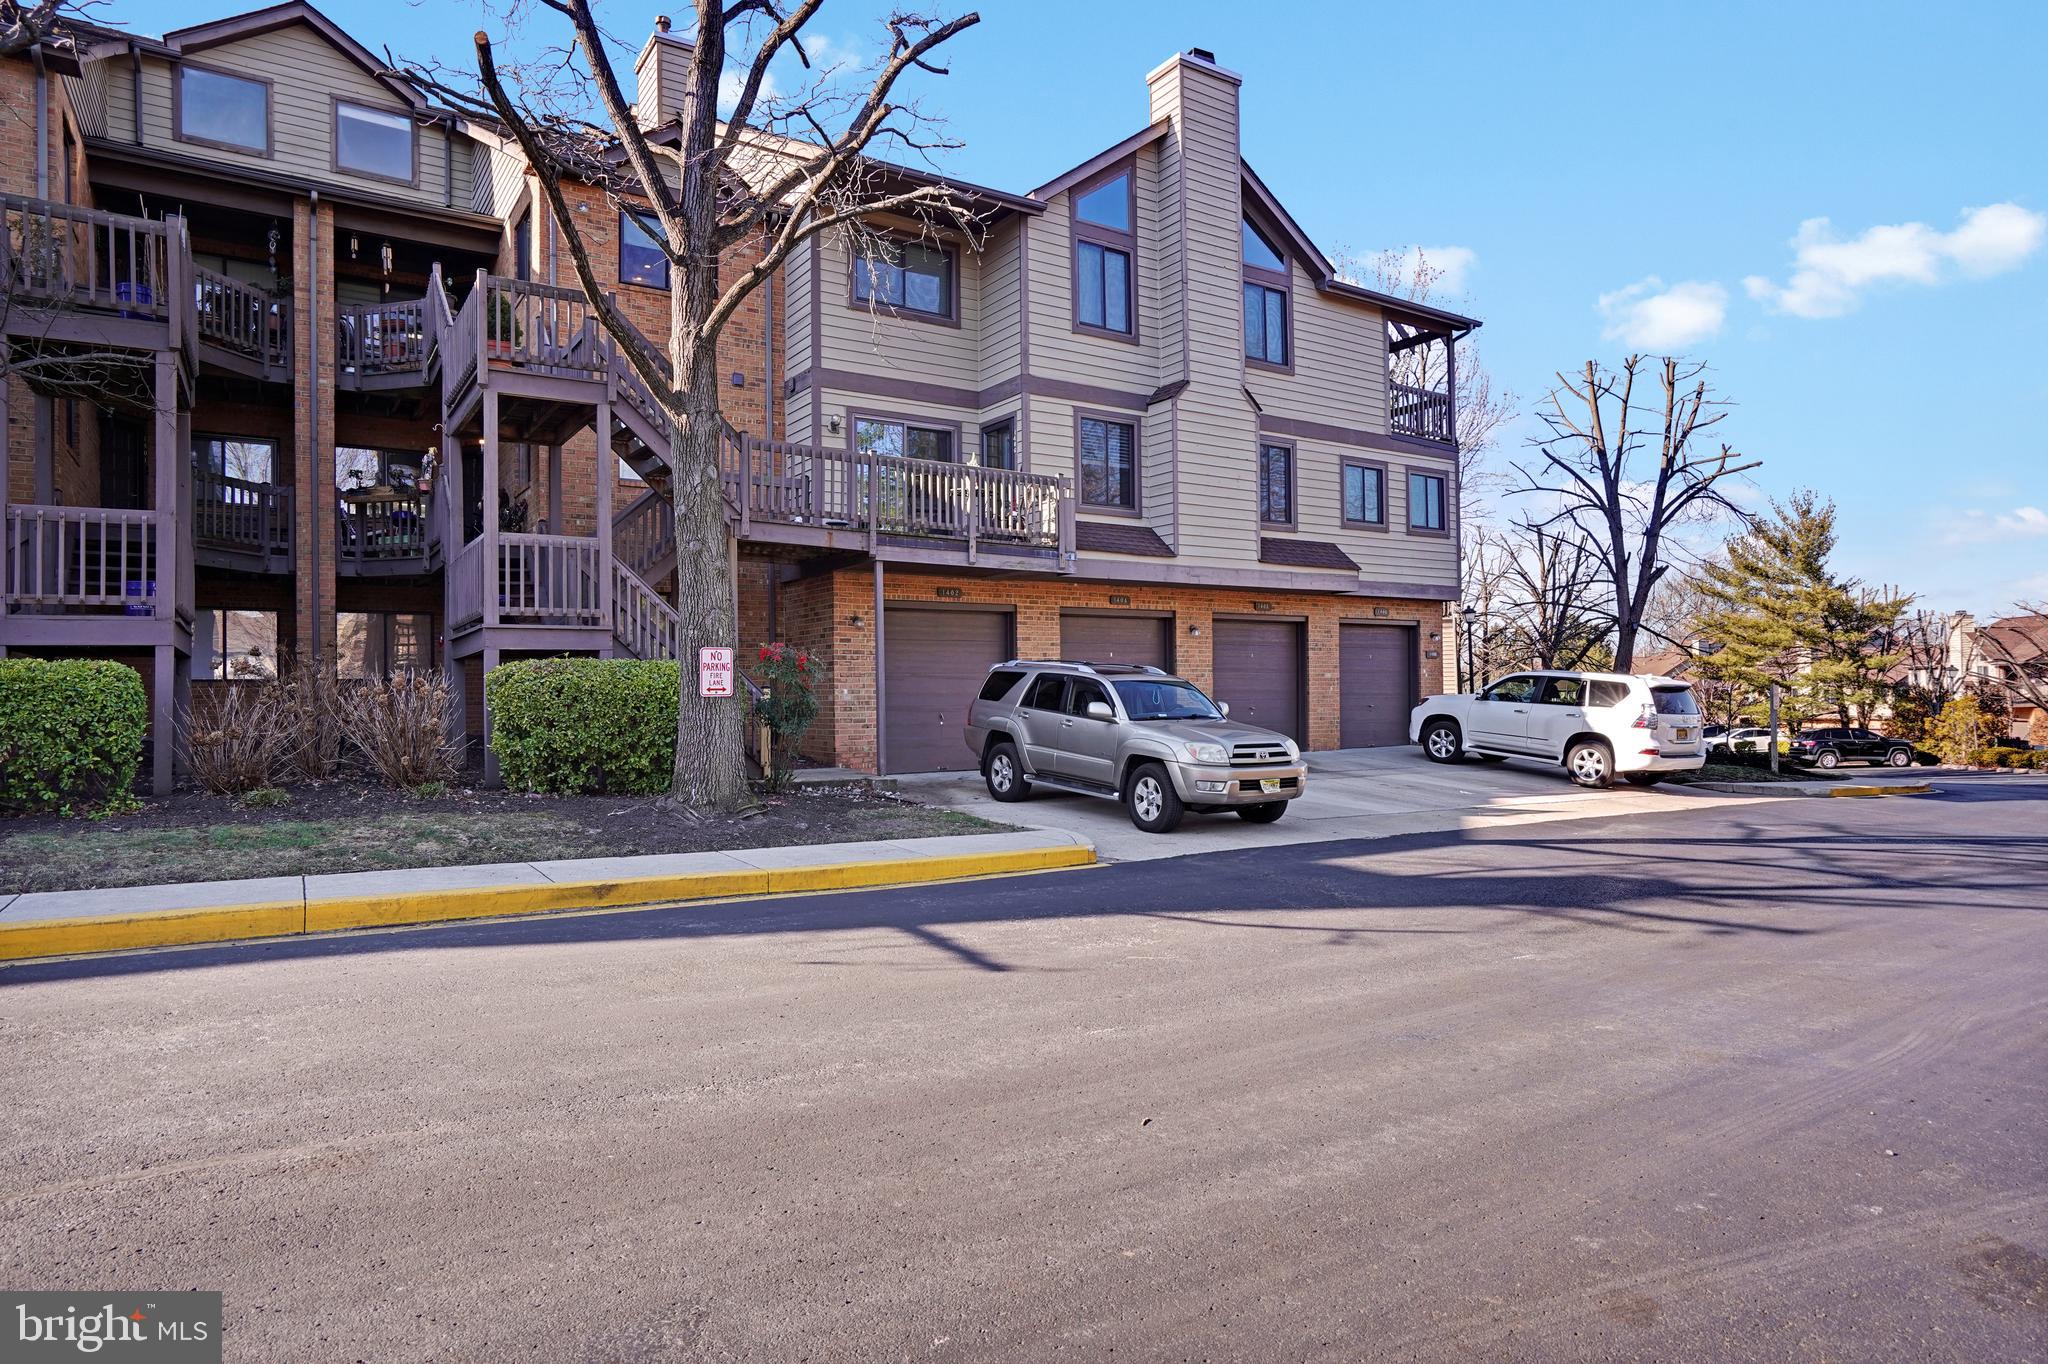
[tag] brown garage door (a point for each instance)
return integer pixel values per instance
(933, 664)
(1377, 665)
(1117, 639)
(1258, 671)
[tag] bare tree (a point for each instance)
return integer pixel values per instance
(1622, 489)
(1553, 594)
(1921, 641)
(2017, 649)
(22, 26)
(777, 171)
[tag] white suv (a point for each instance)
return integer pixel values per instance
(1597, 725)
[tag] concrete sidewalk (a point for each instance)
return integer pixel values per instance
(58, 923)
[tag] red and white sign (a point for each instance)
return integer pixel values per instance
(714, 672)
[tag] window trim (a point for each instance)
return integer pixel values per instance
(619, 264)
(1293, 521)
(882, 308)
(1136, 422)
(854, 417)
(1109, 239)
(335, 102)
(1411, 473)
(1348, 462)
(1010, 424)
(1279, 281)
(178, 133)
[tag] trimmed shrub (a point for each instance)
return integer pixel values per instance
(574, 725)
(70, 733)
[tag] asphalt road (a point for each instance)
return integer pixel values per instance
(1754, 1082)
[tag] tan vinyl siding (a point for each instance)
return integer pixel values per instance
(796, 343)
(868, 342)
(307, 74)
(1060, 352)
(1391, 555)
(1157, 483)
(1340, 364)
(1001, 311)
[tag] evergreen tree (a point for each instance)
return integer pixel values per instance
(1778, 614)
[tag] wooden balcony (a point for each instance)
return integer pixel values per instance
(388, 345)
(78, 276)
(241, 525)
(242, 328)
(1419, 413)
(92, 576)
(523, 338)
(385, 533)
(553, 581)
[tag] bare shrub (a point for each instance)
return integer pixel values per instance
(400, 725)
(312, 701)
(237, 736)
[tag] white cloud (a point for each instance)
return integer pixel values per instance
(1453, 266)
(1831, 273)
(1650, 315)
(733, 80)
(1980, 527)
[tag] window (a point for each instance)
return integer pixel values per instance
(1103, 279)
(1365, 494)
(70, 157)
(234, 646)
(1607, 695)
(251, 460)
(1105, 249)
(641, 257)
(375, 142)
(1425, 502)
(223, 110)
(908, 276)
(1109, 463)
(999, 683)
(1276, 485)
(522, 245)
(358, 469)
(1045, 692)
(1170, 700)
(1563, 691)
(1265, 324)
(1680, 701)
(377, 644)
(1081, 692)
(627, 474)
(1266, 336)
(1515, 691)
(874, 437)
(999, 446)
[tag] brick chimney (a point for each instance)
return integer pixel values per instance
(661, 76)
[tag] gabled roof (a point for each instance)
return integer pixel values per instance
(200, 37)
(1144, 137)
(2022, 639)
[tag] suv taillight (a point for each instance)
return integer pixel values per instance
(1646, 720)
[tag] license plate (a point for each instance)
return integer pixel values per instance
(1269, 784)
(1684, 734)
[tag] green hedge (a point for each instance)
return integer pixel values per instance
(70, 733)
(574, 725)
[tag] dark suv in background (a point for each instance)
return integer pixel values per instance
(1832, 747)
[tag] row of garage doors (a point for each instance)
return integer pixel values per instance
(934, 660)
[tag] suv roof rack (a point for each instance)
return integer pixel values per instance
(1102, 669)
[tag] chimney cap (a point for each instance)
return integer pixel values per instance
(661, 23)
(1203, 54)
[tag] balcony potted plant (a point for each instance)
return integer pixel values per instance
(504, 333)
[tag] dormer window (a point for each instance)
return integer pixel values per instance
(904, 276)
(1105, 255)
(1268, 327)
(374, 142)
(220, 109)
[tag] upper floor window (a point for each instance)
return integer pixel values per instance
(641, 259)
(999, 446)
(1267, 337)
(1365, 494)
(1276, 485)
(1109, 463)
(912, 277)
(1105, 252)
(375, 142)
(250, 459)
(874, 437)
(1425, 502)
(223, 110)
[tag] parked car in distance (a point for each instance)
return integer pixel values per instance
(1753, 739)
(1596, 725)
(1830, 748)
(1129, 733)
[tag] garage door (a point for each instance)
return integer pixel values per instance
(933, 663)
(1258, 671)
(1377, 667)
(1117, 639)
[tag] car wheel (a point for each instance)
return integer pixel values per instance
(1154, 805)
(1004, 774)
(1262, 814)
(1827, 758)
(1899, 757)
(1590, 764)
(1440, 742)
(1642, 778)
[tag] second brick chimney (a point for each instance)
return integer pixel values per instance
(661, 76)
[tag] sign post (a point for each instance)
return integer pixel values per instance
(714, 671)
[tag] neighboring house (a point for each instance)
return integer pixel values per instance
(369, 424)
(1140, 421)
(2000, 653)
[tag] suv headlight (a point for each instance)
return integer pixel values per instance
(1208, 753)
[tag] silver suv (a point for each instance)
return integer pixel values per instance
(1128, 733)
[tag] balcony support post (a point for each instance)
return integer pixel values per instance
(165, 502)
(493, 584)
(1451, 388)
(607, 476)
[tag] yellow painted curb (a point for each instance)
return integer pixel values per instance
(169, 928)
(1898, 789)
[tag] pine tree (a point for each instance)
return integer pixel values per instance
(1778, 614)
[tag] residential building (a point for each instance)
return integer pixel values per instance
(2009, 655)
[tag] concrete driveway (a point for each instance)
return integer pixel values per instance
(1352, 793)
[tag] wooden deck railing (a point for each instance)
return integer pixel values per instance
(380, 526)
(385, 338)
(81, 257)
(242, 318)
(97, 557)
(236, 514)
(466, 586)
(642, 622)
(518, 322)
(644, 533)
(1424, 413)
(550, 579)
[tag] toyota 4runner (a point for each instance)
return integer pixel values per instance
(1129, 733)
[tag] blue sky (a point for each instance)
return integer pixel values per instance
(1655, 156)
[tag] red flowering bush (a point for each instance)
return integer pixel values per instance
(788, 705)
